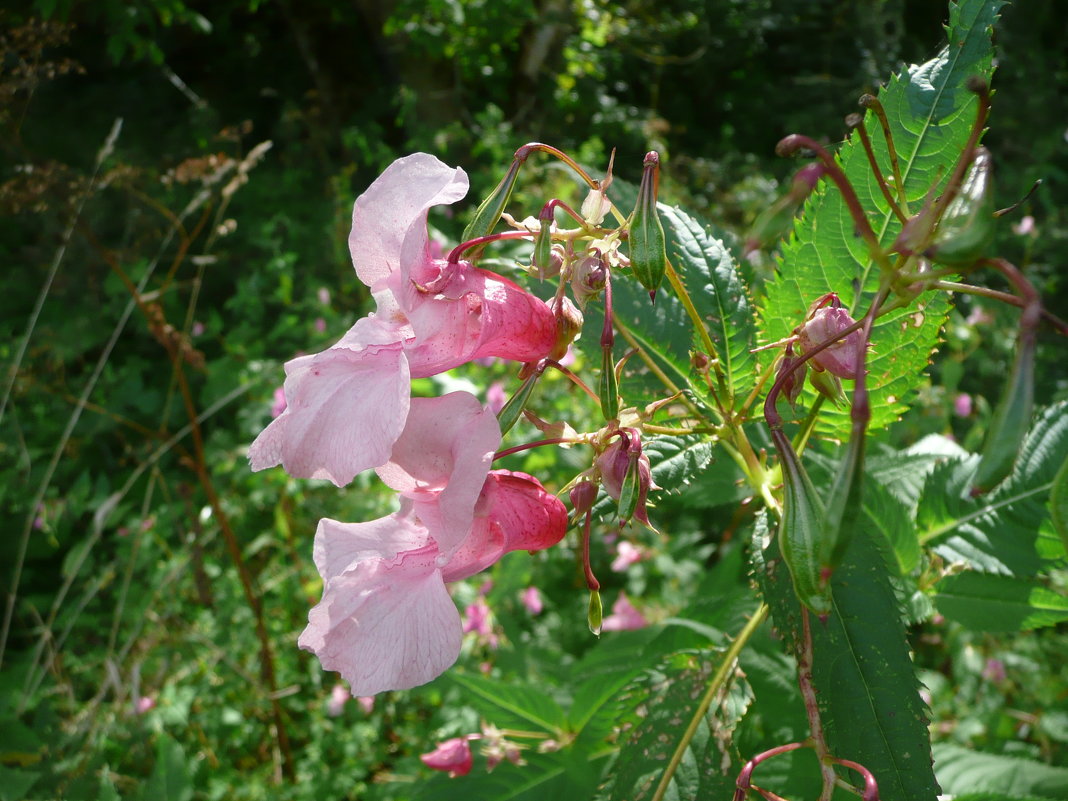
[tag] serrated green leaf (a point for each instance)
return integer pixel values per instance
(990, 602)
(1000, 532)
(868, 693)
(930, 113)
(961, 770)
(1058, 502)
(511, 705)
(668, 698)
(721, 298)
(889, 516)
(15, 783)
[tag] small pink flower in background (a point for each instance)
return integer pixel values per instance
(335, 704)
(366, 703)
(197, 329)
(1025, 227)
(531, 599)
(320, 325)
(962, 405)
(627, 554)
(496, 397)
(279, 404)
(994, 670)
(979, 316)
(452, 757)
(323, 295)
(624, 616)
(144, 704)
(477, 619)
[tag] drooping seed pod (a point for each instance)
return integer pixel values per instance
(489, 211)
(510, 412)
(966, 228)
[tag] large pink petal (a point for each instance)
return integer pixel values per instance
(340, 546)
(476, 314)
(514, 513)
(345, 409)
(391, 215)
(441, 460)
(386, 625)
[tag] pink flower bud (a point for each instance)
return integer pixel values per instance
(842, 357)
(617, 461)
(452, 756)
(582, 496)
(568, 326)
(588, 277)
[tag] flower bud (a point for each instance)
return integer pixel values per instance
(626, 475)
(828, 385)
(843, 356)
(795, 376)
(452, 756)
(568, 326)
(588, 277)
(582, 497)
(648, 246)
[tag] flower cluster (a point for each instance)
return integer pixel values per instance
(386, 620)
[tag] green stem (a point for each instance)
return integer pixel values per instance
(719, 680)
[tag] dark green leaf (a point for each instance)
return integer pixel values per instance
(862, 653)
(511, 705)
(171, 779)
(961, 770)
(991, 602)
(720, 296)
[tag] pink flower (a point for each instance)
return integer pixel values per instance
(962, 405)
(477, 619)
(144, 704)
(624, 616)
(841, 358)
(452, 756)
(366, 703)
(1025, 227)
(531, 599)
(386, 621)
(496, 397)
(348, 404)
(279, 404)
(627, 554)
(335, 704)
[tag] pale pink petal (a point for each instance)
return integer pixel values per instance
(345, 410)
(391, 214)
(452, 756)
(340, 546)
(386, 625)
(627, 554)
(441, 460)
(624, 616)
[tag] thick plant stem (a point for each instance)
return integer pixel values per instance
(812, 708)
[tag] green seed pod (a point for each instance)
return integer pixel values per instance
(801, 530)
(828, 385)
(1011, 420)
(543, 247)
(595, 613)
(843, 508)
(509, 413)
(648, 245)
(489, 212)
(608, 391)
(966, 229)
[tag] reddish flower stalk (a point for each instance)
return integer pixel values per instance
(856, 121)
(454, 254)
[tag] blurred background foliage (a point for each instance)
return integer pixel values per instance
(132, 658)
